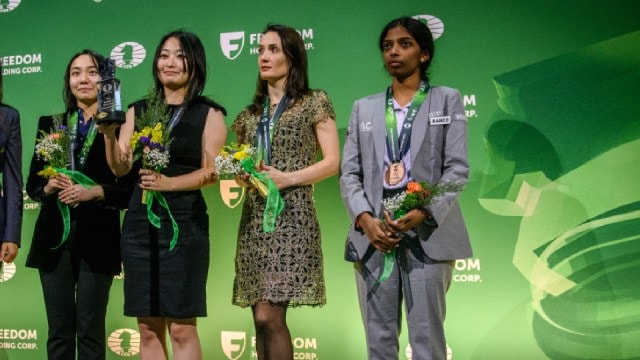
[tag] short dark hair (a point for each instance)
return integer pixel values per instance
(70, 101)
(297, 83)
(420, 32)
(194, 62)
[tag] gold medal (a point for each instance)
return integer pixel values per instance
(395, 173)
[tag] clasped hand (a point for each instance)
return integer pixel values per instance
(385, 235)
(69, 193)
(153, 180)
(280, 179)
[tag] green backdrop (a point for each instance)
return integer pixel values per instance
(552, 206)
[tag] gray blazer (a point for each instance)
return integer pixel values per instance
(11, 169)
(438, 154)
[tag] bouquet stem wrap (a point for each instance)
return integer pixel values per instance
(78, 178)
(390, 258)
(148, 198)
(274, 203)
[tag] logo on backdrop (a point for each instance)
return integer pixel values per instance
(7, 271)
(21, 64)
(233, 43)
(124, 342)
(467, 270)
(22, 339)
(128, 54)
(233, 343)
(6, 6)
(231, 193)
(435, 25)
(469, 102)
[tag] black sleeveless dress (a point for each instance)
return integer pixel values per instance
(159, 282)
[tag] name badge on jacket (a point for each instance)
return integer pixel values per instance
(440, 120)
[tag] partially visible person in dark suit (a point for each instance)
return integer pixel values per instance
(11, 191)
(76, 274)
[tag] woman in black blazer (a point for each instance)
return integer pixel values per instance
(77, 275)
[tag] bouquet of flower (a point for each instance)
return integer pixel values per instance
(151, 142)
(232, 161)
(238, 160)
(53, 147)
(229, 161)
(417, 196)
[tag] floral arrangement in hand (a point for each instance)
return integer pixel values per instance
(53, 147)
(152, 141)
(418, 196)
(229, 161)
(237, 160)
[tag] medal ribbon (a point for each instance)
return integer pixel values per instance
(265, 127)
(73, 136)
(398, 146)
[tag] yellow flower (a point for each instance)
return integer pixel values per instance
(48, 172)
(239, 155)
(134, 140)
(224, 154)
(156, 134)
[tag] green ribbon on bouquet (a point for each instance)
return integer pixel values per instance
(274, 202)
(390, 257)
(150, 197)
(80, 179)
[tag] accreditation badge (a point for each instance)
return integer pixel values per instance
(395, 173)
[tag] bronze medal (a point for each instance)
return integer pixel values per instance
(395, 173)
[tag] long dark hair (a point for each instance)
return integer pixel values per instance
(420, 32)
(194, 62)
(70, 101)
(297, 83)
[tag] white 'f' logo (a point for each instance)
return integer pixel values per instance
(233, 342)
(232, 43)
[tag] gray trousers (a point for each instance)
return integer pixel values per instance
(418, 280)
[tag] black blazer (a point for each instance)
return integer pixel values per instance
(95, 225)
(11, 169)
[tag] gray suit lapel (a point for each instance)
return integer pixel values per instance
(379, 132)
(419, 130)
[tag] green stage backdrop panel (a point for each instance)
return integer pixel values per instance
(552, 207)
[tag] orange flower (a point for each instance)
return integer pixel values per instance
(413, 187)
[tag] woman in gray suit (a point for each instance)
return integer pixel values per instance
(11, 191)
(411, 132)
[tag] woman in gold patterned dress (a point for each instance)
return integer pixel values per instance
(283, 268)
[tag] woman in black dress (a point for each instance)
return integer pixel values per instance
(76, 276)
(165, 288)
